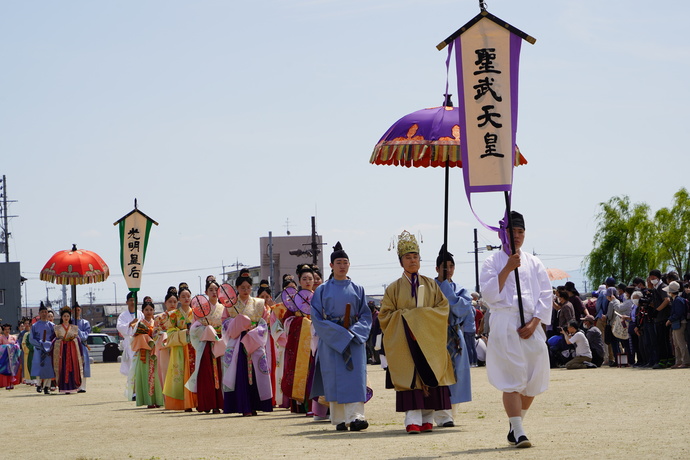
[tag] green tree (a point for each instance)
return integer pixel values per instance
(623, 243)
(673, 227)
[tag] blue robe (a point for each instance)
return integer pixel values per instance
(461, 310)
(42, 365)
(84, 331)
(332, 379)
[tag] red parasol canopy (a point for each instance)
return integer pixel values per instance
(76, 266)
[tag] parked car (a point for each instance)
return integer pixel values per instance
(103, 348)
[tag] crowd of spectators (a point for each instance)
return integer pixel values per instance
(643, 324)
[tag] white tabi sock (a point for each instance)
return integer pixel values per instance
(516, 425)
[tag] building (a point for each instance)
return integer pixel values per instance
(288, 253)
(10, 293)
(254, 272)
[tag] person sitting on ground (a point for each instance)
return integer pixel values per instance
(583, 354)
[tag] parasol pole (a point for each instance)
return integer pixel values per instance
(512, 251)
(447, 103)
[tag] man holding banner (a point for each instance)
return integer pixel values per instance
(124, 327)
(517, 359)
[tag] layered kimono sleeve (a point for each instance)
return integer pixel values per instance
(178, 335)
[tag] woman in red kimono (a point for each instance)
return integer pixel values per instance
(66, 354)
(295, 380)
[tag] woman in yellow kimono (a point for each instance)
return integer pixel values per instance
(160, 332)
(66, 354)
(182, 354)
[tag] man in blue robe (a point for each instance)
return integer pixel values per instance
(340, 372)
(84, 331)
(461, 311)
(42, 335)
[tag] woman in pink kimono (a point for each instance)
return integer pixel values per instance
(246, 376)
(10, 359)
(66, 354)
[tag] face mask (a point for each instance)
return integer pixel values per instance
(636, 301)
(655, 282)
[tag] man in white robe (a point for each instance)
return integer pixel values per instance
(125, 323)
(517, 360)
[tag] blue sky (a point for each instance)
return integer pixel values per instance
(225, 119)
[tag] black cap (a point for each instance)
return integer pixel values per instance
(444, 255)
(517, 220)
(338, 252)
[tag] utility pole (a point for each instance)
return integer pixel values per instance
(271, 272)
(5, 242)
(476, 251)
(314, 245)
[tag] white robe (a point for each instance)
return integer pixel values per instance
(514, 364)
(127, 332)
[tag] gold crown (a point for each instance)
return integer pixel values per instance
(407, 243)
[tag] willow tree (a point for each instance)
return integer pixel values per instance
(623, 245)
(673, 227)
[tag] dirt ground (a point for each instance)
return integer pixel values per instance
(590, 413)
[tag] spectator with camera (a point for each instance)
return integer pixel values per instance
(660, 307)
(583, 353)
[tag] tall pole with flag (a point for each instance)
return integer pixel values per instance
(487, 57)
(134, 229)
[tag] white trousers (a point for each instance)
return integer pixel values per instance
(346, 413)
(447, 415)
(419, 416)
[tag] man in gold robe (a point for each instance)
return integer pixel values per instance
(414, 319)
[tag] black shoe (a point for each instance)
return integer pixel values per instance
(523, 442)
(341, 426)
(357, 425)
(46, 391)
(81, 391)
(511, 438)
(38, 389)
(448, 425)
